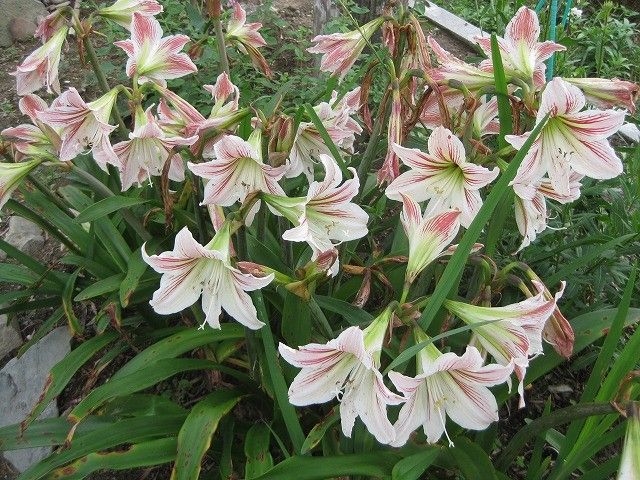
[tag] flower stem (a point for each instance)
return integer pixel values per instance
(215, 9)
(321, 320)
(102, 81)
(104, 192)
(50, 194)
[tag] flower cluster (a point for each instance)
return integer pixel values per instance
(448, 103)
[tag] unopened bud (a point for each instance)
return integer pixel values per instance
(281, 140)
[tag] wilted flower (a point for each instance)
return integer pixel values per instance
(153, 58)
(40, 69)
(447, 385)
(346, 368)
(191, 270)
(236, 171)
(522, 55)
(443, 176)
(391, 166)
(341, 50)
(428, 235)
(570, 141)
(515, 332)
(122, 11)
(607, 93)
(11, 174)
(147, 150)
(50, 25)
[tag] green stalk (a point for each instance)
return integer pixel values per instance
(50, 194)
(321, 320)
(102, 81)
(370, 151)
(215, 10)
(287, 410)
(104, 192)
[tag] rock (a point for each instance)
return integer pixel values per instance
(21, 383)
(22, 29)
(26, 236)
(10, 338)
(25, 10)
(630, 131)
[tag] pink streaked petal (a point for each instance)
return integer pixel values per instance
(30, 105)
(411, 184)
(560, 98)
(411, 214)
(524, 27)
(127, 46)
(238, 304)
(544, 50)
(477, 176)
(596, 159)
(145, 29)
(445, 145)
(173, 43)
(593, 125)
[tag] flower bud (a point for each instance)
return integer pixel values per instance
(281, 140)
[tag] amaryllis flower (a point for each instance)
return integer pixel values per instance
(452, 68)
(447, 385)
(341, 50)
(37, 139)
(428, 235)
(608, 93)
(451, 99)
(181, 118)
(50, 25)
(246, 38)
(191, 270)
(236, 171)
(153, 58)
(515, 332)
(570, 141)
(40, 69)
(11, 175)
(531, 205)
(336, 117)
(391, 166)
(83, 125)
(443, 176)
(326, 214)
(122, 11)
(346, 368)
(522, 55)
(146, 152)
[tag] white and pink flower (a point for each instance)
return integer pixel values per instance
(147, 151)
(122, 11)
(608, 93)
(337, 118)
(346, 368)
(341, 50)
(82, 125)
(153, 58)
(452, 68)
(514, 333)
(447, 385)
(237, 170)
(246, 37)
(522, 54)
(191, 270)
(443, 176)
(40, 69)
(571, 141)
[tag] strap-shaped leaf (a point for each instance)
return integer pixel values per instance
(412, 467)
(107, 206)
(195, 435)
(256, 449)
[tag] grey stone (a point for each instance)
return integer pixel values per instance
(21, 383)
(453, 24)
(27, 10)
(10, 339)
(22, 29)
(24, 235)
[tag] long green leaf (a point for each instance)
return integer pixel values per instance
(130, 431)
(137, 267)
(459, 258)
(106, 206)
(256, 449)
(64, 370)
(195, 435)
(352, 314)
(175, 345)
(145, 454)
(326, 138)
(376, 464)
(136, 381)
(75, 326)
(504, 105)
(412, 467)
(101, 287)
